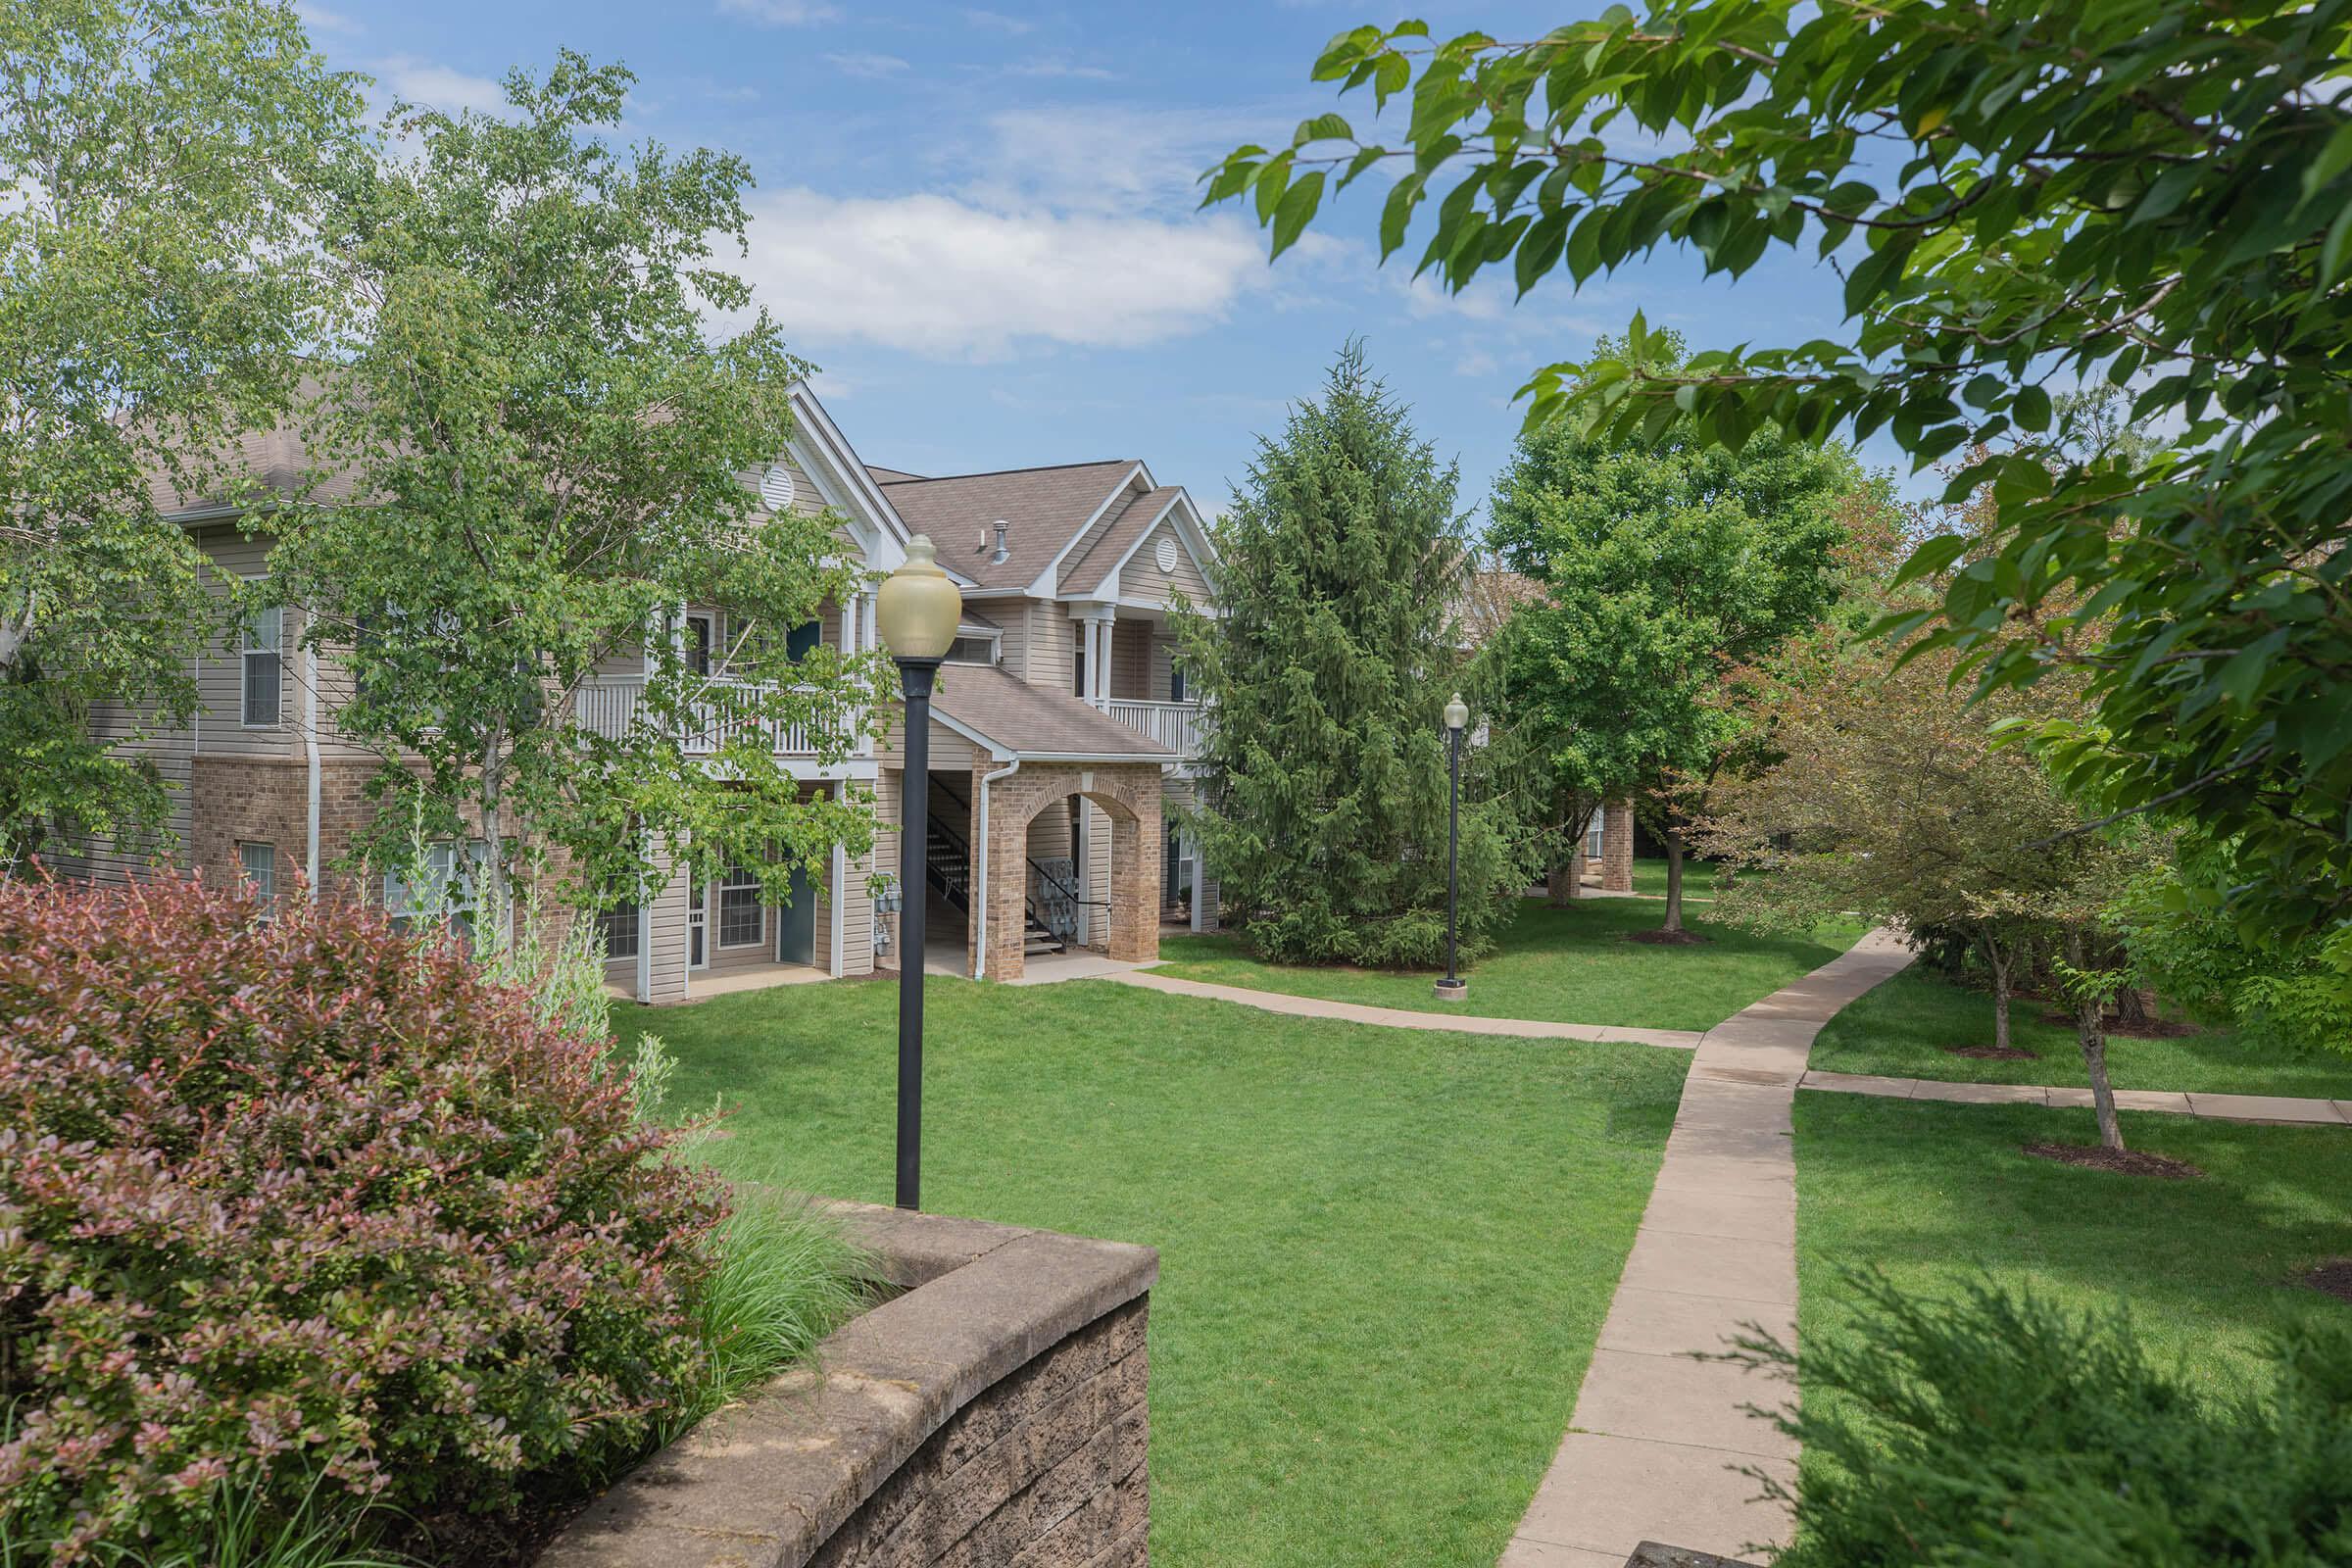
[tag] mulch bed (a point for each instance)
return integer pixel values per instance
(1667, 939)
(2124, 1161)
(2333, 1277)
(1993, 1052)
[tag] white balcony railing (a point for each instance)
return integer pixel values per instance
(1175, 726)
(610, 707)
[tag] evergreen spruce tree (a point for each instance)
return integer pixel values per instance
(1323, 783)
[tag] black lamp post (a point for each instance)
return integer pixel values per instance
(1453, 988)
(916, 611)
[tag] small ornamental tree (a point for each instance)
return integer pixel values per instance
(295, 1203)
(1669, 568)
(2020, 197)
(1324, 675)
(161, 162)
(1896, 799)
(549, 452)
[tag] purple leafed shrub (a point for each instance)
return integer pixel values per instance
(293, 1199)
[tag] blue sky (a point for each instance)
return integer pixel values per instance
(980, 221)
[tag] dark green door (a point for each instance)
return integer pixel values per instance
(796, 923)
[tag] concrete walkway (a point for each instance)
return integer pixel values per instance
(1462, 1024)
(2217, 1108)
(1654, 1449)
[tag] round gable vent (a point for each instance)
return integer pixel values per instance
(1165, 555)
(776, 488)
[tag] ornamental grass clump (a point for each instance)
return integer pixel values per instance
(304, 1198)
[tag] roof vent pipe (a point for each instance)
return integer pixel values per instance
(1000, 553)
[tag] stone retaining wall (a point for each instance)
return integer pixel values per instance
(992, 1414)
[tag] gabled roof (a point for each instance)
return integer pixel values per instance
(1115, 539)
(882, 475)
(1044, 510)
(1013, 719)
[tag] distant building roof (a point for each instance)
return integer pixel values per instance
(1042, 509)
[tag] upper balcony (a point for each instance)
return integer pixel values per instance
(609, 707)
(1175, 726)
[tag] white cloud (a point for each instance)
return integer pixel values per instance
(438, 87)
(318, 18)
(1061, 68)
(946, 277)
(870, 65)
(780, 13)
(998, 20)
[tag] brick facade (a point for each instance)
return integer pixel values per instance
(234, 801)
(1617, 846)
(1129, 795)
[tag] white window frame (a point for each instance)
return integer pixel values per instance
(727, 884)
(257, 864)
(611, 917)
(249, 648)
(454, 885)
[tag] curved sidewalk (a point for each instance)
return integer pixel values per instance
(1453, 1023)
(2168, 1101)
(1657, 1442)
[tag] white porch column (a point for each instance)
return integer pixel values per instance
(1096, 622)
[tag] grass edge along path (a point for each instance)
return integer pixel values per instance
(2207, 1267)
(1570, 964)
(1901, 1030)
(1386, 1255)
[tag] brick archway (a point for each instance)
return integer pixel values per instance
(1128, 794)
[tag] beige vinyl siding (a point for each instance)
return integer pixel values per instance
(1163, 666)
(951, 753)
(665, 931)
(172, 752)
(885, 857)
(1131, 659)
(1142, 578)
(222, 730)
(1017, 618)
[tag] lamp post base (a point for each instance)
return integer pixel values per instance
(1453, 989)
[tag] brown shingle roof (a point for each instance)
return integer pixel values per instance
(1031, 721)
(1044, 510)
(889, 476)
(1087, 567)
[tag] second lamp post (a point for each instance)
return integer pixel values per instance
(916, 611)
(1453, 988)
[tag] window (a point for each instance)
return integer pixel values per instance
(802, 639)
(698, 644)
(742, 917)
(259, 863)
(450, 888)
(1175, 679)
(260, 649)
(972, 650)
(620, 924)
(1078, 659)
(1592, 837)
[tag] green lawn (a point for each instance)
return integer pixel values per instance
(1900, 1029)
(1385, 1253)
(1564, 965)
(1698, 878)
(2208, 1266)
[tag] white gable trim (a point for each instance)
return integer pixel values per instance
(832, 464)
(1189, 534)
(1042, 587)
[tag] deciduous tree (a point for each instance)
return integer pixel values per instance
(160, 163)
(1669, 568)
(551, 448)
(2021, 198)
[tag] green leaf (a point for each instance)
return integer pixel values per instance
(2031, 407)
(1931, 558)
(1298, 207)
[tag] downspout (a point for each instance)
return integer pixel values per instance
(980, 868)
(645, 923)
(310, 750)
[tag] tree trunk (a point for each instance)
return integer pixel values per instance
(2090, 1030)
(1674, 880)
(1998, 958)
(1563, 879)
